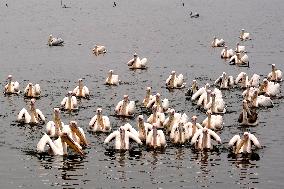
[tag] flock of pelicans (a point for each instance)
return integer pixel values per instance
(164, 121)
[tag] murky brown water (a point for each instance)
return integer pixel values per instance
(163, 32)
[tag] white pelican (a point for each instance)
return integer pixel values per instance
(99, 49)
(81, 91)
(214, 122)
(136, 63)
(100, 123)
(112, 79)
(59, 146)
(156, 138)
(69, 102)
(269, 88)
(193, 89)
(244, 35)
(240, 59)
(125, 107)
(162, 105)
(179, 133)
(243, 80)
(260, 100)
(148, 97)
(77, 133)
(199, 92)
(34, 116)
(216, 105)
(248, 93)
(248, 116)
(156, 117)
(240, 48)
(143, 128)
(227, 53)
(275, 74)
(55, 127)
(52, 41)
(204, 99)
(244, 145)
(173, 119)
(174, 81)
(218, 42)
(129, 128)
(202, 139)
(12, 87)
(225, 81)
(193, 126)
(122, 137)
(32, 91)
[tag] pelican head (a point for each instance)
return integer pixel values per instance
(209, 113)
(205, 131)
(70, 93)
(226, 47)
(173, 73)
(122, 133)
(99, 111)
(213, 95)
(140, 118)
(207, 86)
(33, 102)
(9, 78)
(246, 135)
(265, 82)
(148, 89)
(193, 119)
(30, 84)
(56, 112)
(158, 96)
(238, 55)
(154, 108)
(208, 92)
(125, 98)
(273, 67)
(135, 56)
(71, 143)
(243, 30)
(110, 72)
(75, 129)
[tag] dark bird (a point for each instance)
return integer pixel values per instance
(114, 4)
(195, 15)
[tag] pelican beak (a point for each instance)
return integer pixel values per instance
(80, 135)
(240, 146)
(70, 142)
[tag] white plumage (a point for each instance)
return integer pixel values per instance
(81, 90)
(136, 63)
(12, 87)
(218, 42)
(32, 91)
(227, 53)
(52, 41)
(100, 123)
(174, 81)
(69, 102)
(244, 145)
(112, 79)
(202, 139)
(33, 116)
(125, 107)
(214, 122)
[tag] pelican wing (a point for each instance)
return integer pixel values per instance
(131, 107)
(234, 140)
(162, 138)
(37, 89)
(198, 93)
(254, 140)
(134, 137)
(143, 62)
(195, 136)
(111, 136)
(214, 135)
(40, 115)
(239, 77)
(22, 114)
(264, 101)
(254, 81)
(165, 104)
(87, 92)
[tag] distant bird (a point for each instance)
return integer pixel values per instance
(227, 53)
(202, 139)
(52, 41)
(174, 118)
(214, 122)
(269, 88)
(275, 74)
(69, 102)
(260, 100)
(240, 59)
(125, 107)
(156, 117)
(199, 92)
(56, 127)
(100, 123)
(248, 116)
(81, 90)
(218, 42)
(114, 4)
(195, 15)
(136, 63)
(143, 128)
(244, 35)
(148, 97)
(6, 5)
(174, 81)
(156, 138)
(32, 91)
(183, 4)
(99, 49)
(193, 89)
(162, 105)
(240, 48)
(243, 145)
(12, 87)
(112, 79)
(224, 81)
(243, 80)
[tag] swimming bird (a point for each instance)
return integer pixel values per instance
(243, 80)
(275, 74)
(269, 88)
(240, 59)
(193, 89)
(69, 102)
(52, 41)
(213, 122)
(195, 15)
(128, 127)
(55, 128)
(156, 138)
(193, 126)
(156, 117)
(218, 42)
(240, 48)
(59, 146)
(81, 90)
(32, 91)
(204, 99)
(114, 4)
(260, 100)
(243, 145)
(33, 116)
(143, 128)
(179, 133)
(244, 35)
(148, 97)
(77, 133)
(216, 104)
(225, 81)
(112, 79)
(227, 53)
(122, 137)
(100, 123)
(174, 118)
(202, 139)
(125, 107)
(248, 116)
(162, 105)
(249, 92)
(12, 87)
(99, 49)
(136, 63)
(199, 92)
(174, 81)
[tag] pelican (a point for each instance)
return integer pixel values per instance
(77, 133)
(202, 139)
(59, 146)
(69, 102)
(240, 48)
(55, 127)
(244, 35)
(148, 97)
(269, 88)
(125, 107)
(33, 116)
(100, 123)
(244, 145)
(260, 100)
(200, 91)
(204, 99)
(129, 128)
(193, 126)
(52, 41)
(249, 92)
(136, 63)
(243, 80)
(12, 87)
(218, 42)
(227, 53)
(275, 74)
(240, 59)
(179, 133)
(156, 138)
(99, 49)
(193, 89)
(174, 81)
(248, 116)
(81, 91)
(225, 81)
(32, 91)
(112, 79)
(216, 104)
(162, 105)
(214, 122)
(143, 128)
(122, 137)
(156, 117)
(173, 119)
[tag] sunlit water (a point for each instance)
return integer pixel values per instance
(163, 32)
